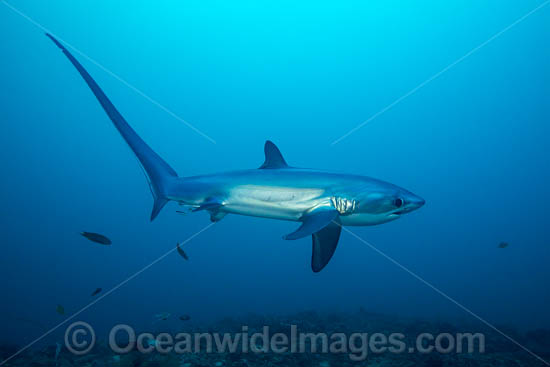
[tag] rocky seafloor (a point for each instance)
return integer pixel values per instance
(498, 349)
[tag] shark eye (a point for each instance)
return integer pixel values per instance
(398, 202)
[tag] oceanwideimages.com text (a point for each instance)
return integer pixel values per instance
(80, 339)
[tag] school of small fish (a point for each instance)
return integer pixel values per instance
(104, 240)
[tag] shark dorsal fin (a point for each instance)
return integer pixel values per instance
(273, 157)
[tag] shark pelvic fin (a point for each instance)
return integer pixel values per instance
(312, 223)
(273, 157)
(216, 216)
(324, 244)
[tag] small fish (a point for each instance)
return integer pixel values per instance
(186, 209)
(96, 237)
(503, 245)
(162, 316)
(185, 317)
(96, 292)
(60, 310)
(181, 252)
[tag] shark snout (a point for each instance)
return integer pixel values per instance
(412, 202)
(416, 202)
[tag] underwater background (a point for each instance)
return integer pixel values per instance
(473, 142)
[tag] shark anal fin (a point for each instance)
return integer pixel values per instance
(324, 244)
(209, 204)
(312, 223)
(273, 157)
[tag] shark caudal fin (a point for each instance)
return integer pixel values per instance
(159, 174)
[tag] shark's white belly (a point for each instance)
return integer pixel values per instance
(287, 203)
(284, 203)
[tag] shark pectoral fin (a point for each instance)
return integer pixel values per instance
(273, 157)
(312, 223)
(324, 245)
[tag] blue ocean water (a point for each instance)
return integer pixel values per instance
(473, 142)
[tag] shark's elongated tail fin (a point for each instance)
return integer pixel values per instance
(160, 175)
